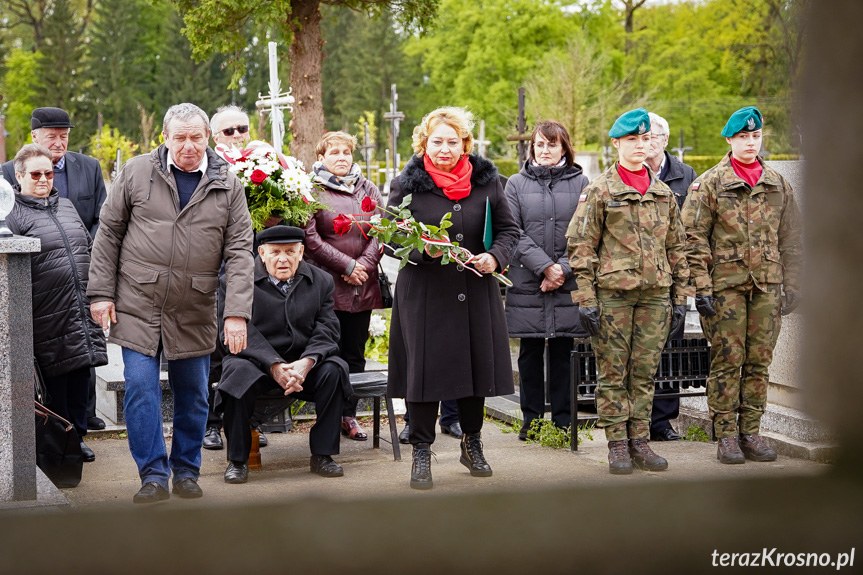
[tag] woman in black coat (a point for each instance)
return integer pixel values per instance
(543, 196)
(66, 340)
(448, 335)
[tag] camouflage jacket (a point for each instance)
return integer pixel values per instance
(735, 232)
(621, 240)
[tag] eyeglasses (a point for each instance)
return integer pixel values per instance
(239, 129)
(544, 145)
(36, 176)
(658, 136)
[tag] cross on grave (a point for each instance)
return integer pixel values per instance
(367, 150)
(276, 101)
(522, 137)
(681, 149)
(395, 117)
(481, 142)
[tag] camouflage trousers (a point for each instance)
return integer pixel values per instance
(742, 336)
(633, 328)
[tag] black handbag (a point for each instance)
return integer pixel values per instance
(386, 288)
(58, 448)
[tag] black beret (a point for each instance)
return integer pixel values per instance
(281, 235)
(50, 118)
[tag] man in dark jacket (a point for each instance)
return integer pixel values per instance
(77, 177)
(677, 176)
(295, 350)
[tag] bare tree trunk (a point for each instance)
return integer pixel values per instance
(629, 8)
(307, 123)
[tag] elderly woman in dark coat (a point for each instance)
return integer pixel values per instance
(351, 258)
(543, 196)
(66, 340)
(448, 334)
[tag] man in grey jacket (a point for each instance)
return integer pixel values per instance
(172, 217)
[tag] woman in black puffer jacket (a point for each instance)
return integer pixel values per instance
(542, 197)
(66, 340)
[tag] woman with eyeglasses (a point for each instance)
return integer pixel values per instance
(66, 340)
(542, 197)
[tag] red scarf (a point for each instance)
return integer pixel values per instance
(750, 173)
(639, 180)
(455, 184)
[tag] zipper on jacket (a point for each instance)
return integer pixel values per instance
(77, 281)
(584, 225)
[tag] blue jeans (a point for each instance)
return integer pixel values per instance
(143, 412)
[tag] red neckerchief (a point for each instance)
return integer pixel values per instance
(455, 184)
(639, 180)
(750, 173)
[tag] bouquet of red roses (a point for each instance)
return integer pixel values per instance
(401, 228)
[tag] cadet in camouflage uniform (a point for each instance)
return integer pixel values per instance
(743, 242)
(626, 250)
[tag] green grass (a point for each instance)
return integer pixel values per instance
(695, 433)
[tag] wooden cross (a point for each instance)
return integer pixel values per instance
(395, 117)
(521, 137)
(481, 142)
(681, 149)
(276, 101)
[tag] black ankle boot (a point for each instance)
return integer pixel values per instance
(472, 456)
(421, 476)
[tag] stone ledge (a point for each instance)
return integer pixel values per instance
(48, 498)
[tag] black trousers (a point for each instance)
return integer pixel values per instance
(665, 409)
(68, 395)
(91, 395)
(448, 412)
(352, 347)
(323, 386)
(424, 414)
(531, 374)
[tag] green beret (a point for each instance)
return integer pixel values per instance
(632, 122)
(746, 119)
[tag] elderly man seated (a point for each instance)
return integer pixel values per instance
(293, 345)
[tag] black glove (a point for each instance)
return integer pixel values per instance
(704, 305)
(792, 298)
(678, 316)
(589, 317)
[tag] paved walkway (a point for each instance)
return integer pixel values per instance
(112, 479)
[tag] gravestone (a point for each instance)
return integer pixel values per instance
(17, 435)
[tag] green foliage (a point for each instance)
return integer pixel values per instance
(377, 346)
(695, 433)
(507, 168)
(267, 199)
(19, 90)
(104, 148)
(544, 432)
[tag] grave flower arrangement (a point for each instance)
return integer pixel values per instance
(378, 344)
(402, 229)
(276, 185)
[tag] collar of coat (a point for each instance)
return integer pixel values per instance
(217, 168)
(261, 271)
(675, 167)
(550, 173)
(416, 179)
(729, 178)
(37, 203)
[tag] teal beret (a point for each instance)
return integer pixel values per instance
(746, 119)
(632, 122)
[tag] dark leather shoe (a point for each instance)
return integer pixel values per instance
(324, 466)
(472, 456)
(454, 430)
(151, 492)
(754, 448)
(643, 456)
(187, 488)
(405, 435)
(213, 439)
(262, 439)
(619, 462)
(87, 453)
(667, 434)
(95, 423)
(728, 451)
(237, 472)
(522, 433)
(421, 475)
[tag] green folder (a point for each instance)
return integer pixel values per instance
(487, 235)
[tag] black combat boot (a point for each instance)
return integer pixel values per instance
(754, 448)
(728, 451)
(644, 458)
(619, 462)
(472, 457)
(421, 476)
